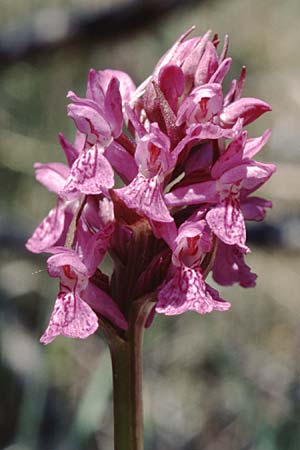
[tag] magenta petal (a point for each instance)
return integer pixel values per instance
(95, 247)
(79, 143)
(252, 174)
(227, 222)
(187, 291)
(64, 256)
(178, 52)
(193, 227)
(232, 157)
(166, 231)
(133, 118)
(257, 174)
(123, 163)
(254, 145)
(224, 51)
(240, 84)
(95, 89)
(70, 151)
(236, 174)
(207, 66)
(194, 194)
(203, 131)
(127, 86)
(221, 72)
(218, 302)
(90, 173)
(229, 97)
(171, 82)
(248, 109)
(49, 231)
(254, 208)
(113, 107)
(99, 81)
(90, 121)
(145, 196)
(97, 213)
(230, 267)
(71, 317)
(103, 304)
(192, 56)
(52, 175)
(152, 153)
(201, 105)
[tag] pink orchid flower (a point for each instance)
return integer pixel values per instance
(177, 208)
(73, 315)
(186, 289)
(144, 193)
(233, 179)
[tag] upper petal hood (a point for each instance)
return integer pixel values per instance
(249, 109)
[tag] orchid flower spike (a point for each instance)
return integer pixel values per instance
(161, 178)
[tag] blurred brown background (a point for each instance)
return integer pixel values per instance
(227, 381)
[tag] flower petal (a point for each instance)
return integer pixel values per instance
(95, 87)
(227, 222)
(171, 83)
(113, 107)
(152, 153)
(90, 120)
(179, 51)
(207, 66)
(194, 49)
(70, 151)
(200, 132)
(254, 208)
(64, 256)
(201, 105)
(194, 194)
(94, 247)
(257, 174)
(144, 195)
(248, 109)
(187, 291)
(229, 267)
(221, 72)
(254, 145)
(103, 304)
(123, 163)
(166, 231)
(52, 175)
(71, 317)
(49, 231)
(232, 156)
(99, 81)
(90, 173)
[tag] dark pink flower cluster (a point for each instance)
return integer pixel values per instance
(159, 178)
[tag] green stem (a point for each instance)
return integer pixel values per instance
(126, 356)
(127, 397)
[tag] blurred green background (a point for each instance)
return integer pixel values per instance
(227, 381)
